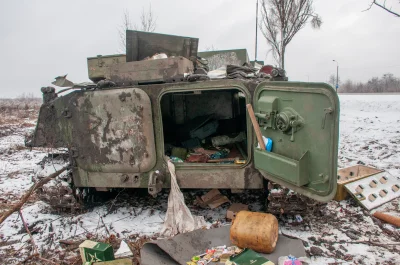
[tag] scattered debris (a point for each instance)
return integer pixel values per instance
(34, 187)
(316, 251)
(178, 218)
(197, 158)
(248, 257)
(234, 71)
(282, 200)
(92, 251)
(393, 220)
(374, 190)
(179, 152)
(212, 199)
(225, 139)
(291, 260)
(211, 245)
(234, 209)
(123, 251)
(219, 73)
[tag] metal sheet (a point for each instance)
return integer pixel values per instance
(216, 59)
(113, 131)
(181, 248)
(375, 190)
(140, 45)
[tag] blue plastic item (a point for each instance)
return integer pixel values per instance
(268, 144)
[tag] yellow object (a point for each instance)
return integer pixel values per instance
(350, 174)
(240, 161)
(256, 231)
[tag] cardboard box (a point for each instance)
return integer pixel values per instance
(234, 209)
(212, 199)
(92, 251)
(351, 174)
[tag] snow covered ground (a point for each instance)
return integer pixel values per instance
(369, 134)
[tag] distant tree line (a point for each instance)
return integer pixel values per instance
(388, 83)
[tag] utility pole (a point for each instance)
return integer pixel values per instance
(337, 74)
(255, 56)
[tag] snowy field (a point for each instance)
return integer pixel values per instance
(343, 233)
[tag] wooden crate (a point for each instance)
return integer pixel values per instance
(150, 71)
(350, 174)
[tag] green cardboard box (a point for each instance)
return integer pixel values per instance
(249, 257)
(92, 251)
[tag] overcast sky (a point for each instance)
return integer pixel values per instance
(43, 39)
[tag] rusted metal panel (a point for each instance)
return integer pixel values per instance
(140, 45)
(149, 71)
(84, 178)
(219, 178)
(98, 66)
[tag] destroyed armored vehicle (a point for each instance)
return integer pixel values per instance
(142, 111)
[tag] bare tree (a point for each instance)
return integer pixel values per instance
(332, 80)
(211, 48)
(126, 24)
(282, 19)
(383, 6)
(388, 83)
(147, 23)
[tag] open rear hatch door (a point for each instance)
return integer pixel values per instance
(302, 119)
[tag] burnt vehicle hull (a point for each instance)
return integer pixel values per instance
(117, 137)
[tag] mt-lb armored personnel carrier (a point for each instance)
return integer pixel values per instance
(121, 134)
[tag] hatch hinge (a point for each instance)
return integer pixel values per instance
(326, 111)
(155, 183)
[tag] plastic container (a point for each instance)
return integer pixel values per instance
(268, 144)
(257, 231)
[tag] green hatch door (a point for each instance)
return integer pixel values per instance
(302, 119)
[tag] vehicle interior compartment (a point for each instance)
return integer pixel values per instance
(205, 126)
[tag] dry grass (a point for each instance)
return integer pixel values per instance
(20, 111)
